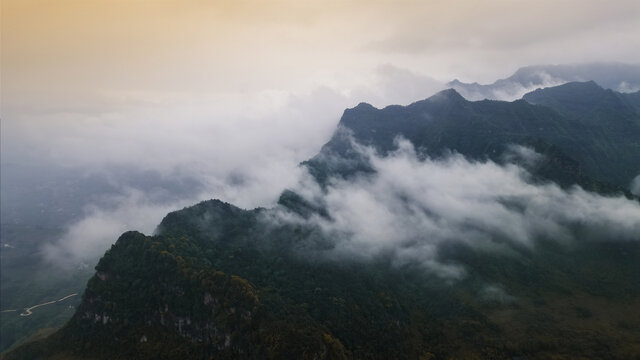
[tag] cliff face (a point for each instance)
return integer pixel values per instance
(148, 302)
(143, 287)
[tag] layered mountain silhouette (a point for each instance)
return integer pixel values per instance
(615, 76)
(216, 281)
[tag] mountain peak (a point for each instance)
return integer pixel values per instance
(568, 90)
(580, 85)
(587, 101)
(364, 106)
(582, 92)
(457, 82)
(447, 94)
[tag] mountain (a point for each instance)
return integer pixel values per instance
(173, 296)
(217, 281)
(37, 210)
(589, 134)
(616, 76)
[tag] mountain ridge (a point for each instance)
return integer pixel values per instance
(616, 76)
(447, 121)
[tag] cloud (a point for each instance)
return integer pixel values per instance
(244, 147)
(234, 96)
(526, 156)
(635, 186)
(625, 87)
(395, 85)
(413, 205)
(240, 148)
(496, 294)
(514, 90)
(508, 90)
(86, 240)
(547, 33)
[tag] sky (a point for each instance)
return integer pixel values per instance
(219, 60)
(234, 94)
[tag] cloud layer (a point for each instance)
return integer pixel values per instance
(241, 148)
(410, 207)
(233, 95)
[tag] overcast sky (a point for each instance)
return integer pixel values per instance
(78, 63)
(236, 93)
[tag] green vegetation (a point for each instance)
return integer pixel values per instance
(589, 135)
(26, 281)
(172, 294)
(219, 282)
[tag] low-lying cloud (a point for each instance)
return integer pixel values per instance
(507, 90)
(238, 147)
(635, 186)
(242, 148)
(412, 205)
(86, 240)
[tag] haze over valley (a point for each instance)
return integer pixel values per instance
(320, 180)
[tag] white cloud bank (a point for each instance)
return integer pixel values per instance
(86, 240)
(410, 207)
(237, 147)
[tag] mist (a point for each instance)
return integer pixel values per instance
(155, 153)
(412, 205)
(619, 77)
(230, 98)
(508, 90)
(635, 185)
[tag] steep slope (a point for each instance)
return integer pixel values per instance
(159, 298)
(587, 101)
(610, 123)
(591, 151)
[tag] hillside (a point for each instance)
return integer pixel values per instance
(529, 266)
(593, 145)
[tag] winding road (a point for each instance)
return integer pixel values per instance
(27, 311)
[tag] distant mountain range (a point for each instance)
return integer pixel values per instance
(615, 76)
(217, 281)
